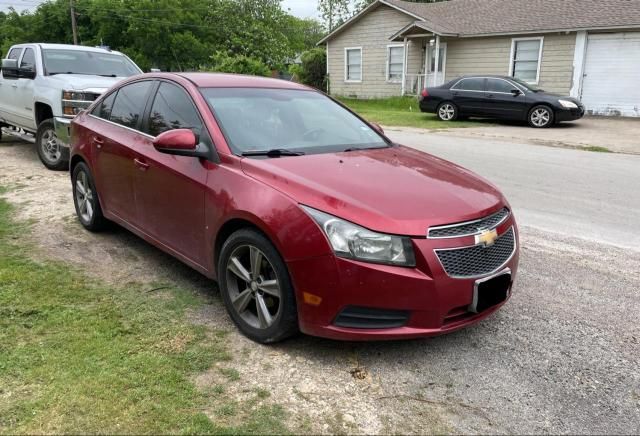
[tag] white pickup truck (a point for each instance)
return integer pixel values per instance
(43, 86)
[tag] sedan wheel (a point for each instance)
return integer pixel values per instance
(256, 288)
(447, 112)
(540, 117)
(253, 287)
(85, 199)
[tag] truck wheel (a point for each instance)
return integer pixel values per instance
(51, 153)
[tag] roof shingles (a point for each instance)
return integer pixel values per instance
(481, 17)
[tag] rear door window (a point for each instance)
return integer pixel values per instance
(14, 53)
(471, 84)
(130, 103)
(103, 110)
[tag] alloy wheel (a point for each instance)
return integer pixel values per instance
(84, 197)
(540, 117)
(50, 147)
(446, 112)
(253, 287)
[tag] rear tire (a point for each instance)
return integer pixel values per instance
(85, 199)
(540, 117)
(447, 111)
(51, 153)
(256, 288)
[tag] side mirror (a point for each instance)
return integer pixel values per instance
(516, 92)
(10, 68)
(377, 128)
(180, 142)
(28, 72)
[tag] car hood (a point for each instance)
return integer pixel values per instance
(81, 82)
(393, 190)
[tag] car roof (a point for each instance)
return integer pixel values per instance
(488, 76)
(224, 80)
(69, 47)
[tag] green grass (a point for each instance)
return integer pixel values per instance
(401, 112)
(596, 148)
(80, 356)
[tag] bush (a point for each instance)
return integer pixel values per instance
(239, 64)
(313, 71)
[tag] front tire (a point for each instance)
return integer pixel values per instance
(53, 155)
(85, 199)
(540, 117)
(447, 111)
(256, 288)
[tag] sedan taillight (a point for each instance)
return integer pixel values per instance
(425, 93)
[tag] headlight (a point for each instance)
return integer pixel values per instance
(568, 104)
(355, 242)
(74, 102)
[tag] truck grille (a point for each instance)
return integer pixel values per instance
(469, 228)
(478, 260)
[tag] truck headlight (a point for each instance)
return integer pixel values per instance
(74, 102)
(352, 241)
(568, 104)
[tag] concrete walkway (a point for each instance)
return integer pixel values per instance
(620, 135)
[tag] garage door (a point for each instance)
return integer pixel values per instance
(611, 85)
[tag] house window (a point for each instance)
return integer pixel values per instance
(525, 59)
(353, 65)
(395, 63)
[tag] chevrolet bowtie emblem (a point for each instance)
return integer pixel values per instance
(487, 237)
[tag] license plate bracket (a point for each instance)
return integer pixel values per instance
(491, 291)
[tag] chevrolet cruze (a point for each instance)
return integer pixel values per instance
(309, 218)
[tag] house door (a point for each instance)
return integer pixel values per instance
(431, 63)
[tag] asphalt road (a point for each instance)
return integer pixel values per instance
(589, 195)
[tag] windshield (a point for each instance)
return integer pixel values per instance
(258, 119)
(88, 62)
(526, 85)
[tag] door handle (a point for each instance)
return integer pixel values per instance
(142, 165)
(490, 96)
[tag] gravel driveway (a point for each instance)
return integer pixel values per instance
(561, 357)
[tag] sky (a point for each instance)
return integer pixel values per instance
(299, 8)
(302, 8)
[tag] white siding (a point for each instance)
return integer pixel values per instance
(372, 33)
(492, 55)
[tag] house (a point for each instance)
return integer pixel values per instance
(589, 49)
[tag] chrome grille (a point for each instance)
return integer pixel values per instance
(478, 260)
(469, 227)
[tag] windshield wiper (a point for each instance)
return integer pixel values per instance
(107, 75)
(275, 152)
(70, 72)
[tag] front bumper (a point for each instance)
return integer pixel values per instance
(570, 114)
(433, 302)
(63, 130)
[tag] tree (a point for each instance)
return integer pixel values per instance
(172, 35)
(313, 70)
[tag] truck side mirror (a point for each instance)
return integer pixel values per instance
(27, 72)
(10, 68)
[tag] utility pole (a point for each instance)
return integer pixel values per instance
(74, 26)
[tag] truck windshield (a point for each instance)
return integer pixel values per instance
(88, 62)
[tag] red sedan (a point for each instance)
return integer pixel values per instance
(308, 217)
